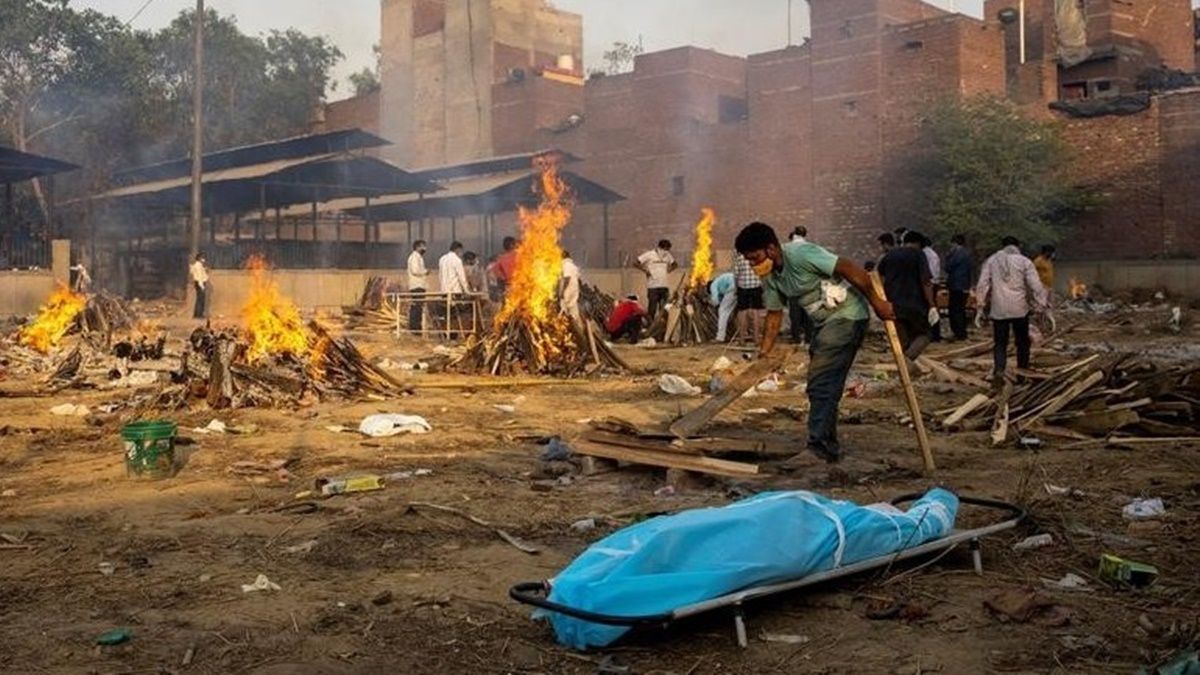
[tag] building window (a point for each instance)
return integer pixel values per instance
(677, 186)
(914, 45)
(1074, 91)
(732, 110)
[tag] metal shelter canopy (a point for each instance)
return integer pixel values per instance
(506, 163)
(17, 166)
(276, 184)
(343, 141)
(479, 195)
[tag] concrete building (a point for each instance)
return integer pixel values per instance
(817, 134)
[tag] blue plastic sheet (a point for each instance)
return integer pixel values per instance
(667, 563)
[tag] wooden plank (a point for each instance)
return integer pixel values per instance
(977, 401)
(1101, 423)
(685, 427)
(1000, 423)
(947, 374)
(634, 443)
(1064, 399)
(910, 394)
(668, 460)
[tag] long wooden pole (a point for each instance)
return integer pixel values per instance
(910, 394)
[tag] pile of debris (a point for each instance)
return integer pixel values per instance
(1107, 397)
(531, 335)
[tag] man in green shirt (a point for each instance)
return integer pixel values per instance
(835, 292)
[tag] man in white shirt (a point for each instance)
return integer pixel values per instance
(657, 265)
(417, 274)
(568, 289)
(935, 272)
(451, 272)
(1009, 288)
(199, 274)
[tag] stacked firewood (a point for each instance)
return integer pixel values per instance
(595, 304)
(215, 369)
(557, 348)
(103, 315)
(1097, 397)
(689, 319)
(375, 310)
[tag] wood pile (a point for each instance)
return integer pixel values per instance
(103, 315)
(1097, 397)
(214, 369)
(373, 293)
(620, 441)
(595, 304)
(375, 310)
(555, 348)
(690, 318)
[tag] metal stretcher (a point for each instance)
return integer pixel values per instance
(535, 593)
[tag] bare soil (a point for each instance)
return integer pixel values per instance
(389, 588)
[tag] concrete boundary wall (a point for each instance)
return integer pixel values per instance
(22, 293)
(1177, 277)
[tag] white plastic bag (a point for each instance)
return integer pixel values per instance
(383, 426)
(677, 386)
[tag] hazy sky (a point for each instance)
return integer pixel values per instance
(732, 26)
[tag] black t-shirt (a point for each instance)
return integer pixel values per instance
(905, 271)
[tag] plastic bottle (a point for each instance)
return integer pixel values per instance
(340, 486)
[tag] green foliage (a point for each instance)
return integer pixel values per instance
(621, 57)
(988, 171)
(364, 82)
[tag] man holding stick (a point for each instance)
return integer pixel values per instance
(818, 279)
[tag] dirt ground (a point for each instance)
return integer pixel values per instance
(389, 588)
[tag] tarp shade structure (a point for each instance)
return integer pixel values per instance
(347, 140)
(17, 166)
(500, 193)
(276, 184)
(492, 165)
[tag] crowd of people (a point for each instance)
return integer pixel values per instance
(827, 299)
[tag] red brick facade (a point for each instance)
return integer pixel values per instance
(821, 134)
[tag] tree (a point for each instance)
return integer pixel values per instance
(621, 57)
(987, 171)
(366, 81)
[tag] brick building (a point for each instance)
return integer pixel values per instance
(816, 134)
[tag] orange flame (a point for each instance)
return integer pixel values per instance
(54, 319)
(1078, 290)
(702, 259)
(273, 322)
(531, 292)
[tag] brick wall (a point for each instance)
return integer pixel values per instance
(359, 112)
(1179, 119)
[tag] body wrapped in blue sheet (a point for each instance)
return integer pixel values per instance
(670, 562)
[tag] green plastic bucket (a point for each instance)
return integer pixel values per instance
(149, 449)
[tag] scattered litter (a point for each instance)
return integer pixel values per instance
(504, 408)
(1144, 509)
(214, 427)
(1069, 582)
(769, 385)
(205, 578)
(262, 583)
(107, 569)
(384, 426)
(115, 637)
(557, 450)
(1025, 605)
(677, 386)
(647, 343)
(758, 411)
(277, 467)
(721, 364)
(338, 428)
(1034, 542)
(8, 493)
(1056, 491)
(70, 410)
(1176, 321)
(665, 491)
(406, 475)
(1120, 571)
(1187, 663)
(137, 379)
(1030, 442)
(306, 547)
(783, 638)
(585, 525)
(716, 384)
(340, 486)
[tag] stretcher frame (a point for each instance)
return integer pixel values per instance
(536, 593)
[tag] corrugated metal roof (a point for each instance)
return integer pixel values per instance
(239, 173)
(17, 166)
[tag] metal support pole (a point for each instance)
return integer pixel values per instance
(314, 216)
(262, 211)
(237, 227)
(197, 131)
(367, 226)
(278, 222)
(453, 228)
(1021, 28)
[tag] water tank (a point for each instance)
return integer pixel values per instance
(566, 62)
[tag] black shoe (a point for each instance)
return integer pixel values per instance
(831, 456)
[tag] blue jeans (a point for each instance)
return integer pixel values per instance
(832, 352)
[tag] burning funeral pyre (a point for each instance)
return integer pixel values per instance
(531, 334)
(690, 317)
(276, 359)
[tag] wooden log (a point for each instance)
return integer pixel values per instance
(622, 441)
(910, 393)
(1064, 399)
(1101, 423)
(977, 401)
(687, 426)
(947, 374)
(1000, 422)
(668, 460)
